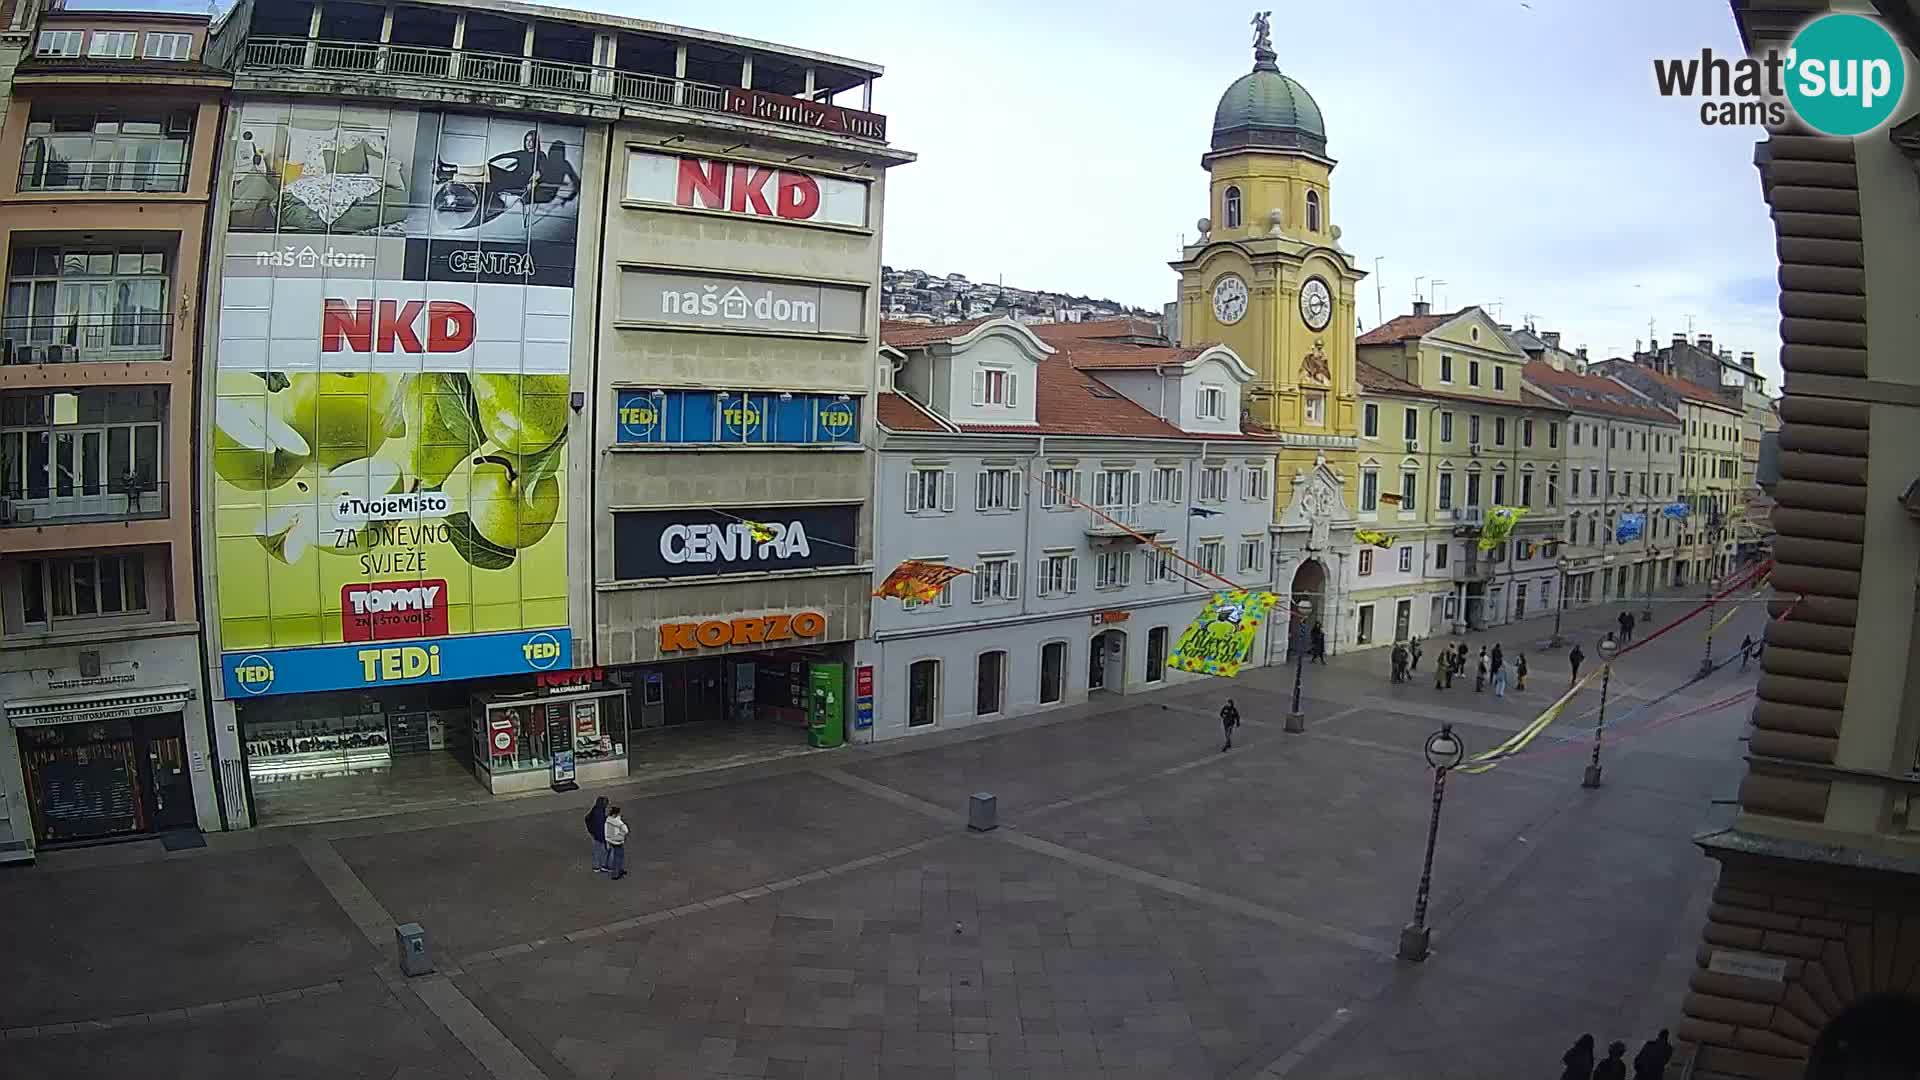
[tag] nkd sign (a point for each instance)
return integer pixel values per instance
(736, 187)
(730, 303)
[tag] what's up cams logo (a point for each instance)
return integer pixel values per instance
(1842, 75)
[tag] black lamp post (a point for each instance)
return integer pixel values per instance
(1606, 649)
(1559, 606)
(1297, 720)
(1444, 751)
(1706, 658)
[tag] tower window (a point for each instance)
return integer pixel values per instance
(1313, 211)
(1231, 211)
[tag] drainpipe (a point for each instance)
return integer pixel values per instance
(1026, 526)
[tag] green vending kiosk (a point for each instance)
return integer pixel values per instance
(826, 705)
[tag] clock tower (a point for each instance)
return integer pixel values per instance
(1268, 278)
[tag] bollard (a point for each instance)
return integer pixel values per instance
(415, 959)
(983, 812)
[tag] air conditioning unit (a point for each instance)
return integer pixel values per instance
(6, 351)
(19, 515)
(62, 354)
(1413, 446)
(1474, 449)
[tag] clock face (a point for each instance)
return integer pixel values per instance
(1316, 303)
(1229, 299)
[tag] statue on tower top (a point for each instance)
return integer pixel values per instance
(1263, 54)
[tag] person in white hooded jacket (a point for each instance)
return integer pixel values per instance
(616, 843)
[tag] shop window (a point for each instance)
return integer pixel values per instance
(923, 693)
(1156, 654)
(1053, 671)
(990, 696)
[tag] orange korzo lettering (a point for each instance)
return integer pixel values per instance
(676, 636)
(777, 627)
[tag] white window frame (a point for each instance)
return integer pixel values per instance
(1002, 391)
(1058, 574)
(1212, 554)
(1160, 564)
(1169, 484)
(1409, 490)
(945, 599)
(57, 571)
(1253, 483)
(1313, 408)
(1213, 484)
(176, 46)
(61, 43)
(124, 43)
(1113, 569)
(1406, 558)
(1116, 488)
(1366, 561)
(1060, 487)
(996, 489)
(1440, 555)
(1369, 490)
(1253, 554)
(1370, 421)
(1446, 368)
(1410, 423)
(1212, 402)
(996, 578)
(921, 478)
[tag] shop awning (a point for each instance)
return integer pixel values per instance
(90, 708)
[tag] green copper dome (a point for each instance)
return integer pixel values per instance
(1265, 109)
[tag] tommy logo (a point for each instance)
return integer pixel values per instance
(393, 326)
(384, 611)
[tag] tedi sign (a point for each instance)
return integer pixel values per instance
(1843, 75)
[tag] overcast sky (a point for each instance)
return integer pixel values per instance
(1519, 153)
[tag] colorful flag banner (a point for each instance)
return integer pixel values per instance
(762, 532)
(1630, 527)
(1487, 760)
(1677, 511)
(1499, 525)
(1391, 498)
(1219, 639)
(1374, 536)
(921, 581)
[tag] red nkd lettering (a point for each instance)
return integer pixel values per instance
(749, 194)
(703, 184)
(391, 325)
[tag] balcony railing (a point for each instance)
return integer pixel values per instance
(1110, 522)
(78, 501)
(82, 338)
(427, 63)
(158, 177)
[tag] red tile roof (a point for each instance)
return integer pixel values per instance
(1401, 327)
(905, 335)
(1592, 393)
(1100, 354)
(1124, 327)
(897, 412)
(1673, 384)
(1379, 381)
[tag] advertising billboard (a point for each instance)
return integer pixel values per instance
(695, 542)
(389, 438)
(742, 417)
(737, 187)
(729, 303)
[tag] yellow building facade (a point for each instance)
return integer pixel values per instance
(1268, 278)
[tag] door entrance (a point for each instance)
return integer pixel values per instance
(1106, 661)
(1402, 620)
(93, 781)
(923, 693)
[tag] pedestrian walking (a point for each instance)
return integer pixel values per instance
(1520, 670)
(616, 844)
(1319, 643)
(1459, 662)
(1626, 625)
(1480, 671)
(1651, 1062)
(1615, 1066)
(1413, 651)
(1746, 651)
(1399, 662)
(1633, 621)
(1575, 658)
(1499, 669)
(1229, 719)
(1443, 669)
(1578, 1060)
(597, 828)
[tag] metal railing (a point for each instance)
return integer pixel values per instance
(60, 174)
(78, 500)
(1112, 520)
(445, 64)
(85, 338)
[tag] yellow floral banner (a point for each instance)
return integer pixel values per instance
(1499, 525)
(1219, 639)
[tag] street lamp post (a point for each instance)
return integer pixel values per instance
(1444, 751)
(1560, 605)
(1297, 720)
(1706, 658)
(1606, 649)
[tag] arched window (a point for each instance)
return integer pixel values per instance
(1313, 211)
(1231, 210)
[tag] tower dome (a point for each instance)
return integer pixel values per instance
(1264, 109)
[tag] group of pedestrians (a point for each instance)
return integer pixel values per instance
(1491, 669)
(1649, 1064)
(609, 832)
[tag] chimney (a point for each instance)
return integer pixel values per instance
(1581, 352)
(1552, 338)
(1506, 328)
(1422, 307)
(1679, 340)
(1727, 355)
(1746, 358)
(1705, 343)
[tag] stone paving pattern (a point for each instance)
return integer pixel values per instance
(1150, 907)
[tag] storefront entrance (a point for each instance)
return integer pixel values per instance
(1107, 661)
(715, 712)
(103, 779)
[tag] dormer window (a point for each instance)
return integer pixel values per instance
(1313, 211)
(994, 386)
(1230, 210)
(113, 44)
(60, 43)
(1213, 403)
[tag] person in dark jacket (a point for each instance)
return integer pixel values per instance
(1229, 719)
(1578, 1060)
(1520, 670)
(1746, 651)
(597, 828)
(1626, 626)
(1575, 658)
(1615, 1066)
(1651, 1062)
(1399, 662)
(1319, 643)
(1442, 669)
(1480, 671)
(1413, 651)
(1497, 672)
